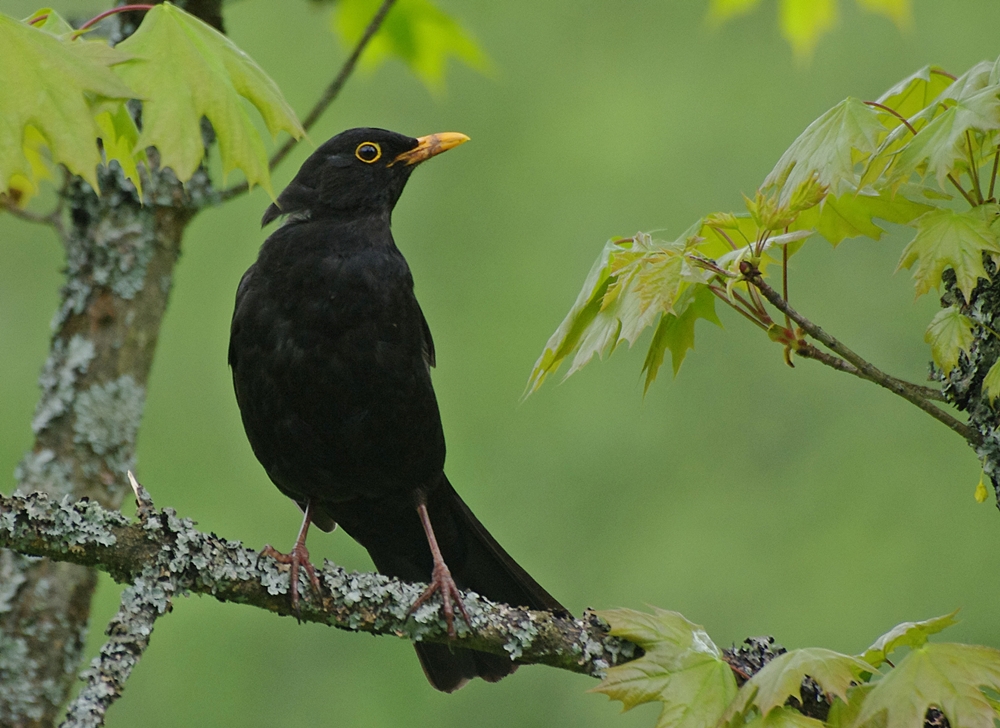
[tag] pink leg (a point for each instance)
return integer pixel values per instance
(441, 580)
(299, 556)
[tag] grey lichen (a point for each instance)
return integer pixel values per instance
(17, 682)
(43, 471)
(107, 420)
(58, 378)
(128, 632)
(11, 577)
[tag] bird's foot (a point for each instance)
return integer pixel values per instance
(298, 556)
(442, 582)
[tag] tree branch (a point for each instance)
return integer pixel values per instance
(129, 633)
(329, 95)
(163, 555)
(865, 369)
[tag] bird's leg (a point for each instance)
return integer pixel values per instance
(441, 580)
(298, 556)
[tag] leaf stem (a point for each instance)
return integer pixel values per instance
(895, 113)
(866, 370)
(328, 96)
(720, 293)
(993, 175)
(968, 198)
(784, 279)
(108, 13)
(973, 169)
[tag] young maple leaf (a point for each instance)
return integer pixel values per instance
(828, 149)
(949, 334)
(948, 238)
(907, 634)
(941, 147)
(676, 330)
(682, 669)
(183, 70)
(55, 90)
(947, 676)
(781, 678)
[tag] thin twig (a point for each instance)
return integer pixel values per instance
(868, 370)
(808, 351)
(48, 219)
(328, 96)
(968, 198)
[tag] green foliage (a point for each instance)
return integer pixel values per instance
(950, 239)
(782, 677)
(53, 92)
(949, 334)
(907, 634)
(185, 69)
(862, 164)
(415, 31)
(949, 677)
(804, 22)
(62, 93)
(684, 670)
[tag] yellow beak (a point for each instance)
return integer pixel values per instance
(429, 146)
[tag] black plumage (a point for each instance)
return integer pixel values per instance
(331, 359)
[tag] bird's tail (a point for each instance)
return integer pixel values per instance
(478, 563)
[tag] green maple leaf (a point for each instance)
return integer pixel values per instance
(907, 634)
(781, 678)
(853, 214)
(947, 676)
(829, 149)
(416, 31)
(941, 147)
(50, 91)
(675, 330)
(682, 669)
(119, 138)
(949, 334)
(630, 284)
(947, 238)
(783, 718)
(183, 70)
(843, 713)
(917, 91)
(991, 383)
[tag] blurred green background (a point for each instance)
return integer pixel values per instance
(753, 498)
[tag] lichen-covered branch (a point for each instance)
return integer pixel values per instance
(129, 632)
(183, 559)
(120, 256)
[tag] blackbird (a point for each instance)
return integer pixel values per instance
(331, 359)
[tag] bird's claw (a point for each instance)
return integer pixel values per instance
(298, 556)
(442, 582)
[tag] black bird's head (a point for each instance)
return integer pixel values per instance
(359, 172)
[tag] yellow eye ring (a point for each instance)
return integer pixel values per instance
(368, 152)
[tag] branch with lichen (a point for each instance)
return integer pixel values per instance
(162, 555)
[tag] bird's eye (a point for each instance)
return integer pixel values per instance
(368, 152)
